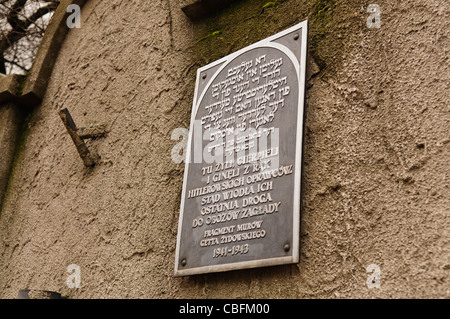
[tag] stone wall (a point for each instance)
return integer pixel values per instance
(375, 177)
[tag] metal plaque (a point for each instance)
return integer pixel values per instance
(240, 204)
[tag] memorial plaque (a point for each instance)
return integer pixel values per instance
(240, 204)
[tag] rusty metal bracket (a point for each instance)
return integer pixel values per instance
(78, 135)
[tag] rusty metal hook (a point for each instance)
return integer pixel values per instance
(90, 158)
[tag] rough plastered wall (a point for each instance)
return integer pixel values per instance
(376, 159)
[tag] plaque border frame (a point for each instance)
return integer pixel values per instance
(301, 73)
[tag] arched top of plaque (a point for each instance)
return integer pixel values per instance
(290, 43)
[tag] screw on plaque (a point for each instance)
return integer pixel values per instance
(78, 135)
(296, 36)
(183, 262)
(287, 247)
